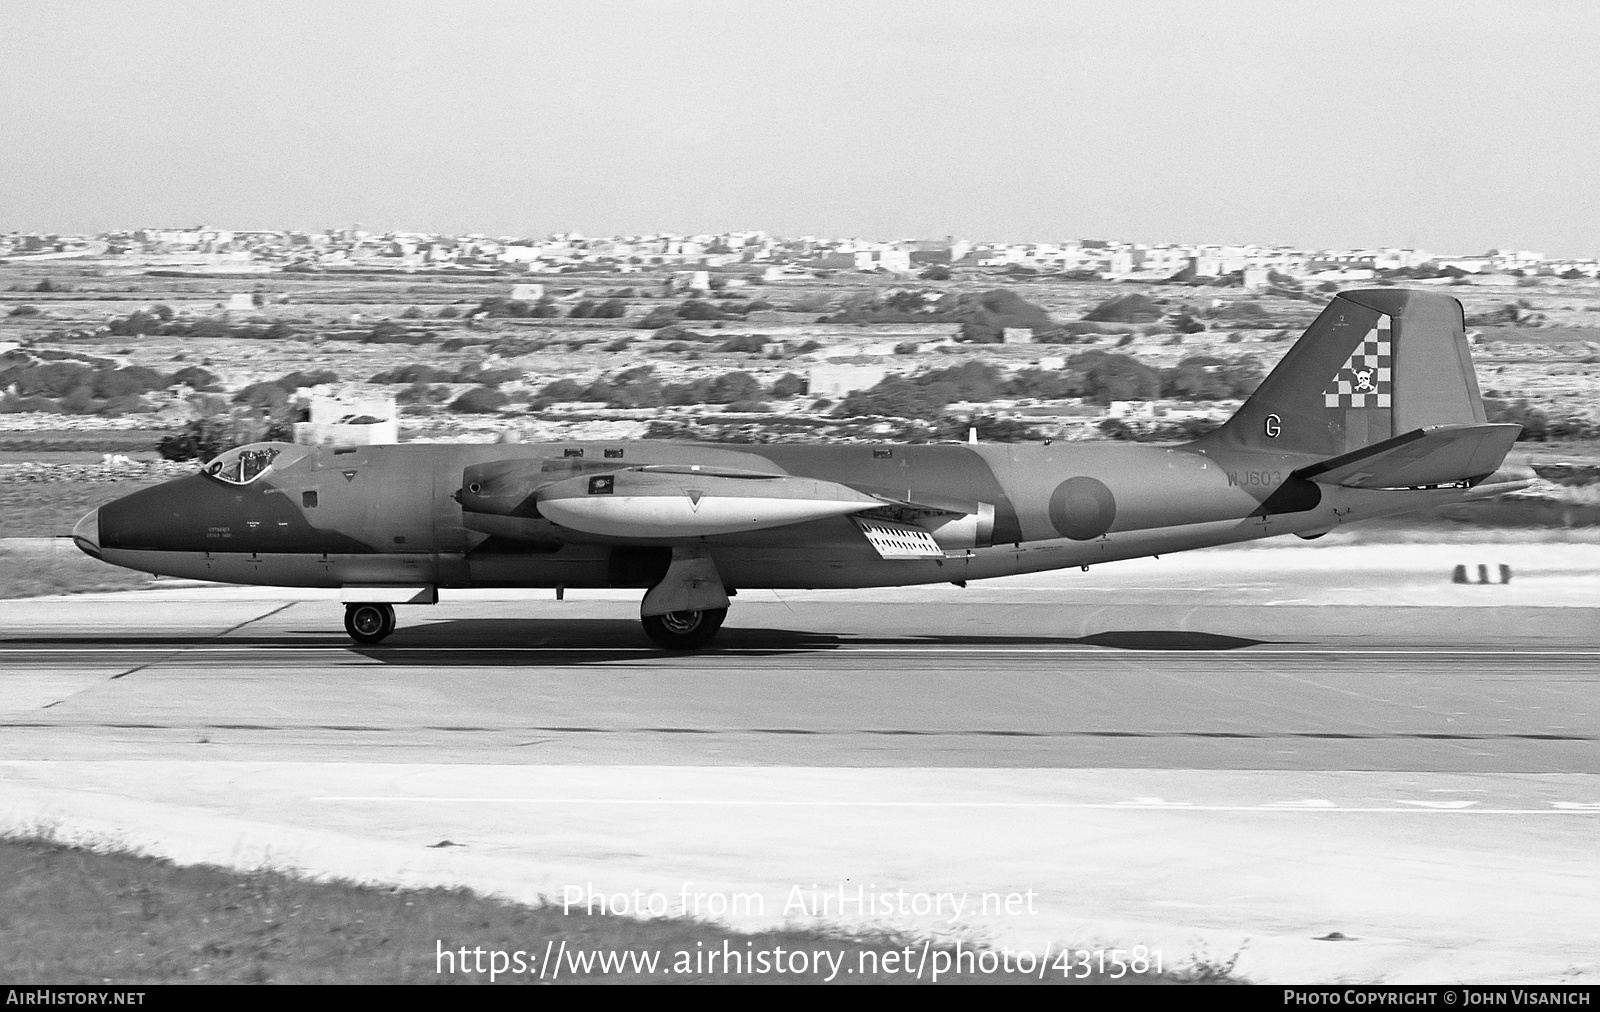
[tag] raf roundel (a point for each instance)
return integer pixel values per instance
(1082, 508)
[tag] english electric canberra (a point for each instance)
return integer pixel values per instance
(1374, 411)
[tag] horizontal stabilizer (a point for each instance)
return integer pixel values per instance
(1435, 455)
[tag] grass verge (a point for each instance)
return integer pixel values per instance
(74, 915)
(43, 509)
(35, 567)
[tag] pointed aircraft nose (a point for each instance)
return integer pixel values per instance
(86, 534)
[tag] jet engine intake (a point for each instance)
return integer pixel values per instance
(502, 488)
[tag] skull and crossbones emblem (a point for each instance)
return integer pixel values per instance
(1363, 379)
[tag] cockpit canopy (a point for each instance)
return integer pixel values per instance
(244, 464)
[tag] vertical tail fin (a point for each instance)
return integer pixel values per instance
(1375, 364)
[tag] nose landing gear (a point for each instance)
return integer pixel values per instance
(368, 623)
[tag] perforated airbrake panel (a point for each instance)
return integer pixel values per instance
(900, 541)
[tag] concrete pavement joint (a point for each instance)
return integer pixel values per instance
(183, 650)
(893, 732)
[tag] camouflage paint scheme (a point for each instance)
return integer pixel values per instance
(455, 516)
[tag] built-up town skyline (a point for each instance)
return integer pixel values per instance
(357, 247)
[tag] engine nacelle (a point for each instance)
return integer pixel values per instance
(955, 533)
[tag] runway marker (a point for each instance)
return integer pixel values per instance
(1124, 806)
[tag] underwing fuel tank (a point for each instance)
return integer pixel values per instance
(684, 501)
(689, 501)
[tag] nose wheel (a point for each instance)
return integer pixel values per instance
(368, 623)
(684, 630)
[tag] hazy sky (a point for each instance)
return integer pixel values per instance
(1452, 126)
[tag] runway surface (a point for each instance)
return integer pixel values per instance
(817, 683)
(1248, 744)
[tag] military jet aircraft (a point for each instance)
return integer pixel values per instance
(1374, 411)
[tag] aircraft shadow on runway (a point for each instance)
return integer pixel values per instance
(490, 642)
(525, 641)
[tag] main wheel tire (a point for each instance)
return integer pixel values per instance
(684, 630)
(368, 623)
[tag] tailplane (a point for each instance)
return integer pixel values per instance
(1422, 458)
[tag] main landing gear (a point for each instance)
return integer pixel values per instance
(686, 608)
(684, 630)
(368, 623)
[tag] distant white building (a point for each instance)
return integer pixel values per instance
(350, 420)
(828, 380)
(948, 250)
(1118, 263)
(1131, 409)
(1390, 259)
(1515, 260)
(897, 261)
(691, 281)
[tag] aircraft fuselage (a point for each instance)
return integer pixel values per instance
(392, 515)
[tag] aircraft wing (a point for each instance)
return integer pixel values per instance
(519, 500)
(1434, 455)
(906, 500)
